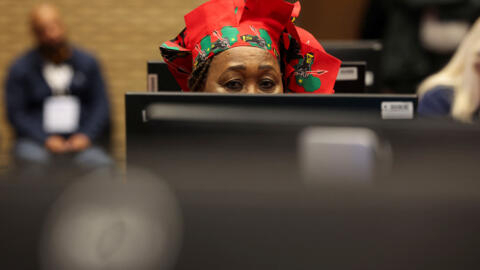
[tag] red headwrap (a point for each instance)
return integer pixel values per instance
(218, 25)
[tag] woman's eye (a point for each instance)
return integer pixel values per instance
(267, 85)
(234, 85)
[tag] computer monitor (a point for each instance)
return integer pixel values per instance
(93, 221)
(351, 77)
(255, 138)
(328, 228)
(159, 77)
(133, 223)
(233, 161)
(369, 51)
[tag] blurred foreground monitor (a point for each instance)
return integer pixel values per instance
(139, 222)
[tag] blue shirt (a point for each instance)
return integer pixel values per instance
(26, 91)
(436, 102)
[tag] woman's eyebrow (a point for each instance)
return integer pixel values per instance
(263, 67)
(237, 67)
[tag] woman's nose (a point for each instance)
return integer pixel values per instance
(252, 88)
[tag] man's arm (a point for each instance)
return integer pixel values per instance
(17, 111)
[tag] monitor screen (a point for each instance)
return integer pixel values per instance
(368, 51)
(258, 138)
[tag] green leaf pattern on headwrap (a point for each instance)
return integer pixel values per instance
(205, 47)
(268, 40)
(231, 34)
(311, 83)
(206, 44)
(307, 81)
(170, 47)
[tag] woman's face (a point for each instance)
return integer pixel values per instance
(247, 70)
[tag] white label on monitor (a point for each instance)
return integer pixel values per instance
(397, 110)
(347, 74)
(152, 83)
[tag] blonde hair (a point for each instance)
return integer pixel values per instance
(460, 74)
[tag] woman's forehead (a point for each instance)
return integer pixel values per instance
(244, 56)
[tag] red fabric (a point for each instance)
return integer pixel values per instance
(218, 25)
(210, 16)
(325, 67)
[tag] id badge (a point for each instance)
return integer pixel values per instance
(61, 114)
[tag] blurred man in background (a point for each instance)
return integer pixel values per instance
(56, 98)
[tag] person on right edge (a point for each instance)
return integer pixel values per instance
(455, 90)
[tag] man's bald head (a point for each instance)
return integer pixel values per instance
(47, 25)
